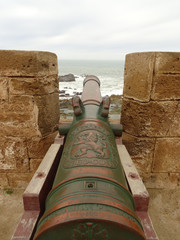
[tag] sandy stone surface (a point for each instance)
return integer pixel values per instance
(27, 63)
(138, 75)
(164, 210)
(151, 116)
(153, 119)
(11, 209)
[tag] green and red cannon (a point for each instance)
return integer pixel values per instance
(90, 199)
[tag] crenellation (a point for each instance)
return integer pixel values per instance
(152, 124)
(27, 63)
(29, 112)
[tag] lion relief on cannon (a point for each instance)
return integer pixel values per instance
(90, 144)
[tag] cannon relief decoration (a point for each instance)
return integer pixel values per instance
(90, 199)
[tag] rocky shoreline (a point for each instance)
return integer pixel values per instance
(67, 78)
(64, 93)
(66, 110)
(66, 100)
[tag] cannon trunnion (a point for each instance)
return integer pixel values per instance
(90, 199)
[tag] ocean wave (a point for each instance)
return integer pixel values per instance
(109, 86)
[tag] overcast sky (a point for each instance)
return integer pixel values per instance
(90, 29)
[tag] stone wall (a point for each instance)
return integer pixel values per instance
(151, 116)
(29, 112)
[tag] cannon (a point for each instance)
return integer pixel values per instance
(90, 199)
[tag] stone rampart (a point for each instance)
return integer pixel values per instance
(29, 112)
(151, 116)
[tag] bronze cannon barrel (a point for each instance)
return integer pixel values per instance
(90, 199)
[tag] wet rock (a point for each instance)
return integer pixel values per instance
(67, 78)
(79, 93)
(62, 91)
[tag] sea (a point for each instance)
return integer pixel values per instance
(110, 73)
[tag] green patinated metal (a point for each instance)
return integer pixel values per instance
(90, 199)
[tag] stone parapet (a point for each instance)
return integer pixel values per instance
(151, 116)
(152, 119)
(27, 63)
(29, 112)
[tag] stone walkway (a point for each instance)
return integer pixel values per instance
(11, 209)
(164, 211)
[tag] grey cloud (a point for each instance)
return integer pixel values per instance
(83, 28)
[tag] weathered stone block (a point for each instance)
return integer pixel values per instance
(166, 87)
(161, 180)
(48, 112)
(3, 180)
(19, 180)
(141, 151)
(138, 76)
(18, 104)
(33, 86)
(29, 116)
(166, 155)
(4, 89)
(153, 119)
(19, 117)
(27, 63)
(167, 62)
(34, 164)
(13, 155)
(20, 131)
(37, 147)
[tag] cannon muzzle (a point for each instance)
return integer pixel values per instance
(91, 91)
(90, 199)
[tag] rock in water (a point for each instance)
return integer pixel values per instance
(61, 91)
(67, 78)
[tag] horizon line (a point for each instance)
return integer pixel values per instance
(73, 59)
